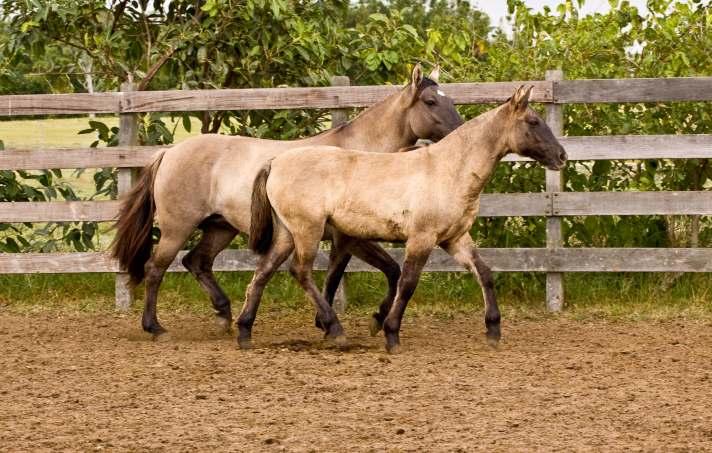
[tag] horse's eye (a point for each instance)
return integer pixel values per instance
(533, 121)
(430, 102)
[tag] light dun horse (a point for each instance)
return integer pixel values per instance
(206, 182)
(425, 198)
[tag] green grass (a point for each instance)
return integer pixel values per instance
(589, 296)
(63, 132)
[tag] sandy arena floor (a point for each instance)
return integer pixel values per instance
(93, 382)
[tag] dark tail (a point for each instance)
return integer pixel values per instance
(261, 227)
(132, 244)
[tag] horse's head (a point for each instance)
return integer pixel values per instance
(429, 113)
(528, 135)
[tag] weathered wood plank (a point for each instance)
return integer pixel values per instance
(499, 259)
(634, 90)
(631, 147)
(554, 184)
(514, 204)
(622, 147)
(491, 205)
(632, 203)
(249, 98)
(569, 91)
(58, 211)
(128, 136)
(40, 159)
(59, 104)
(318, 97)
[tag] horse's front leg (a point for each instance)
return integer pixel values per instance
(416, 255)
(464, 252)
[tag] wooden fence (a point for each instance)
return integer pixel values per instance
(554, 203)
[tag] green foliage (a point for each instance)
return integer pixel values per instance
(270, 43)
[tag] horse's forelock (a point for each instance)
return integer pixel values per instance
(425, 83)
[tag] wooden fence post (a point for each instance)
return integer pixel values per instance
(128, 136)
(339, 117)
(554, 184)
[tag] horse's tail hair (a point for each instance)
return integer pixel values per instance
(261, 226)
(133, 242)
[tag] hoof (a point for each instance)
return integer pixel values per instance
(222, 325)
(245, 343)
(394, 349)
(155, 330)
(375, 326)
(339, 340)
(493, 343)
(493, 337)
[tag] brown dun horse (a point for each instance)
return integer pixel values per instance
(425, 198)
(206, 182)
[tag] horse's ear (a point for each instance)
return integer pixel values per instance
(412, 90)
(520, 99)
(435, 74)
(416, 76)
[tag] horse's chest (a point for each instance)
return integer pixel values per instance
(460, 221)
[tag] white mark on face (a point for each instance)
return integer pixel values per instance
(441, 93)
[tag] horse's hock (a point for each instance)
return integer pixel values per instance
(554, 203)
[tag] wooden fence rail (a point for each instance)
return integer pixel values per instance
(338, 97)
(554, 204)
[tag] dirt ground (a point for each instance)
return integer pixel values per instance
(95, 382)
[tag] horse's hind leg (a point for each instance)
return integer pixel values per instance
(268, 264)
(465, 253)
(199, 261)
(172, 239)
(376, 256)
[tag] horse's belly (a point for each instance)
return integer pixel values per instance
(370, 226)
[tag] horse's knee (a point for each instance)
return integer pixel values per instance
(299, 272)
(153, 272)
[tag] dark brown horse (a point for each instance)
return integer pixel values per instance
(426, 198)
(206, 182)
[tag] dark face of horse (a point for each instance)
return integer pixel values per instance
(431, 114)
(529, 136)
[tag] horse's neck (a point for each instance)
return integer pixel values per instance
(380, 128)
(469, 155)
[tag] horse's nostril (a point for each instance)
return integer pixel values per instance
(563, 156)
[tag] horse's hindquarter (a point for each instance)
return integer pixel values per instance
(211, 174)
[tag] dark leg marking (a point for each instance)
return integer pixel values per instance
(492, 315)
(267, 266)
(199, 261)
(412, 268)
